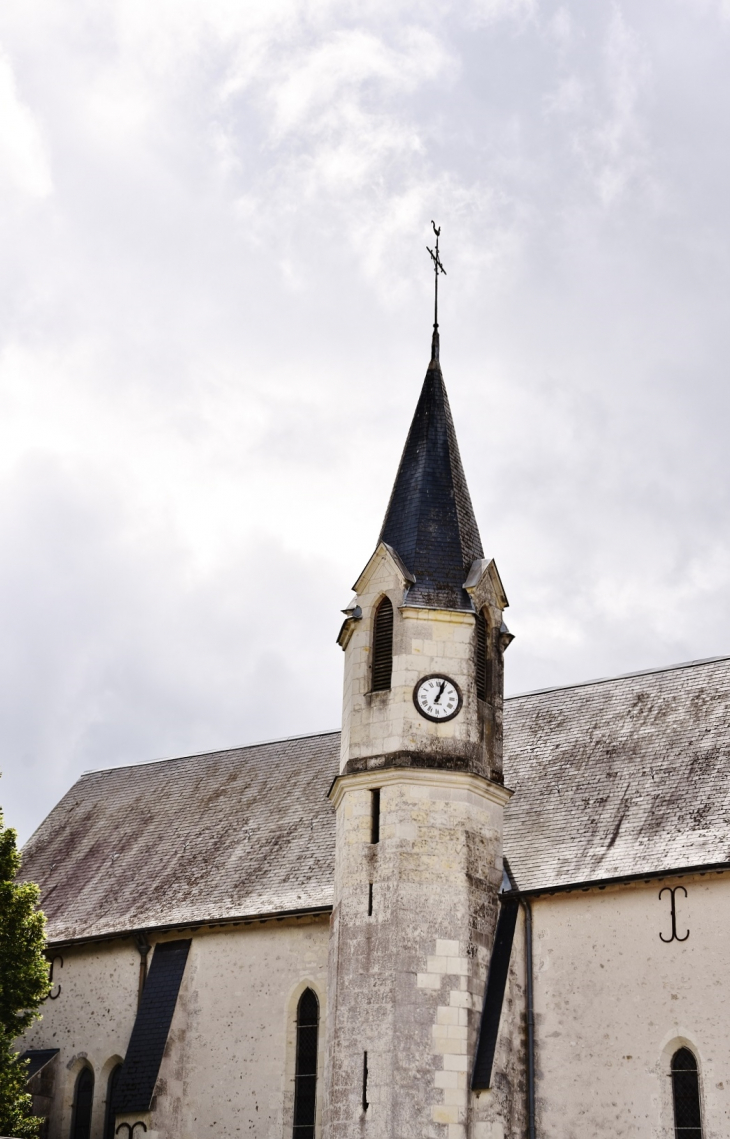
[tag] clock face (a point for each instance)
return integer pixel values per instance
(437, 698)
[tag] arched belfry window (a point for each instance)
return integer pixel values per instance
(110, 1114)
(83, 1103)
(305, 1085)
(686, 1096)
(480, 663)
(382, 646)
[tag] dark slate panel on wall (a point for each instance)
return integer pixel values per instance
(494, 995)
(38, 1058)
(141, 1066)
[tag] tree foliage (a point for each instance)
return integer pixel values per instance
(23, 984)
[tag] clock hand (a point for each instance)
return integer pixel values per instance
(441, 692)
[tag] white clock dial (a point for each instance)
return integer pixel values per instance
(437, 698)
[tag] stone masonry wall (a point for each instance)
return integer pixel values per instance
(501, 1111)
(378, 724)
(228, 1069)
(407, 982)
(90, 1022)
(613, 1002)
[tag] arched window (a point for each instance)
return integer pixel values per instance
(109, 1114)
(686, 1095)
(382, 646)
(305, 1085)
(480, 662)
(83, 1103)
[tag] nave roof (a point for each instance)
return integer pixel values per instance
(612, 778)
(621, 777)
(204, 838)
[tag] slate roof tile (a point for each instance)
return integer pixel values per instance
(619, 777)
(430, 520)
(201, 838)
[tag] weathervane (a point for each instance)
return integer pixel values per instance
(437, 268)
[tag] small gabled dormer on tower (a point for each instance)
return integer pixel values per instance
(430, 601)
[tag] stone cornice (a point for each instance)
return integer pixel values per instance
(424, 613)
(429, 777)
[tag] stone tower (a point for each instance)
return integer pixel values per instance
(419, 802)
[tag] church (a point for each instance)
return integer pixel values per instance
(459, 917)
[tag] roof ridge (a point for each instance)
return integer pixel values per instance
(619, 676)
(214, 751)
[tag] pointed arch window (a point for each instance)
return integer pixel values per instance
(480, 662)
(83, 1103)
(110, 1113)
(686, 1095)
(305, 1085)
(382, 646)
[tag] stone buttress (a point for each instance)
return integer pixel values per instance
(419, 806)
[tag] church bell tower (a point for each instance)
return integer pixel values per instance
(419, 803)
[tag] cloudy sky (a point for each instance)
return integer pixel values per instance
(215, 321)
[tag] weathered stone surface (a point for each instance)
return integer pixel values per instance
(425, 641)
(408, 981)
(613, 1003)
(228, 1068)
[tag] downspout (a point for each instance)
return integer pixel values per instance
(143, 948)
(530, 1020)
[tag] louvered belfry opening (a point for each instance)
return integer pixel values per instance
(686, 1095)
(305, 1081)
(481, 656)
(83, 1104)
(382, 646)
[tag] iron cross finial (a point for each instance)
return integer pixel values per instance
(437, 268)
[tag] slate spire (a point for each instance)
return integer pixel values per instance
(430, 520)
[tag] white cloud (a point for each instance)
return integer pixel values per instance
(620, 141)
(490, 11)
(603, 110)
(23, 159)
(569, 98)
(561, 27)
(215, 327)
(315, 90)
